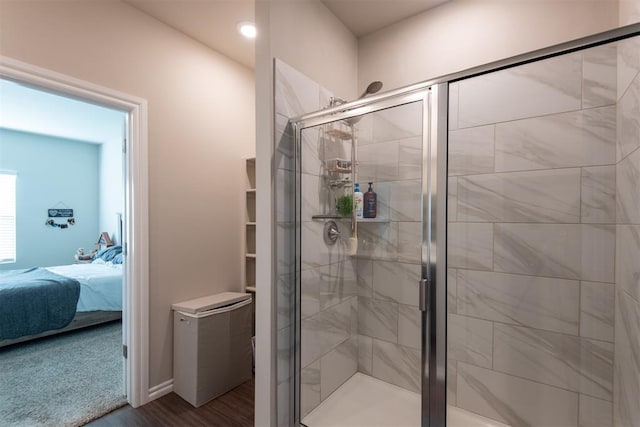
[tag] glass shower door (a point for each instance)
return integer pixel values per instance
(360, 330)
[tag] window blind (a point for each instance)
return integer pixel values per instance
(7, 217)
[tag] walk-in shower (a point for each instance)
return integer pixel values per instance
(498, 282)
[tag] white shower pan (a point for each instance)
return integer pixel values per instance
(364, 401)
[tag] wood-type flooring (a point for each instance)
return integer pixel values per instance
(232, 409)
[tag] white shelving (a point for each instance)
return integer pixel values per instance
(249, 227)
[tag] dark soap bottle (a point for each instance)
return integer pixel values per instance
(370, 203)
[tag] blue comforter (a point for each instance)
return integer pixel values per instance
(35, 300)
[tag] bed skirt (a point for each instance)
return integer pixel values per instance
(80, 320)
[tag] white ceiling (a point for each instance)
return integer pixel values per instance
(214, 22)
(363, 17)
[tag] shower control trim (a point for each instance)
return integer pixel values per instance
(423, 287)
(331, 233)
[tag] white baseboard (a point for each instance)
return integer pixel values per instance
(160, 390)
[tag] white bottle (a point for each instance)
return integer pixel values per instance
(358, 201)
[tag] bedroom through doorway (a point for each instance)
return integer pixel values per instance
(62, 292)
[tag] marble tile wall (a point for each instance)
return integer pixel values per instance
(543, 243)
(357, 313)
(380, 334)
(293, 95)
(329, 286)
(626, 384)
(388, 269)
(538, 179)
(328, 297)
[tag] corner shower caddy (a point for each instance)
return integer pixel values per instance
(338, 175)
(340, 180)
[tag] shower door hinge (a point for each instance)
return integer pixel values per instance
(423, 294)
(125, 249)
(124, 146)
(125, 351)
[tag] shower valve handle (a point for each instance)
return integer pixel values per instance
(331, 232)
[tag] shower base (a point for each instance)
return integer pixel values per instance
(366, 401)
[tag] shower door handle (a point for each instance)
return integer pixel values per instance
(423, 286)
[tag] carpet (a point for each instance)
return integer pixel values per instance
(64, 380)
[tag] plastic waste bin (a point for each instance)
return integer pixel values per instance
(211, 345)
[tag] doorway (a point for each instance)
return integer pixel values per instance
(135, 212)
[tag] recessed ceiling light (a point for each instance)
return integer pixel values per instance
(247, 29)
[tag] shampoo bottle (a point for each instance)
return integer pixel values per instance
(358, 201)
(370, 203)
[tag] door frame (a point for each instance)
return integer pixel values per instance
(136, 223)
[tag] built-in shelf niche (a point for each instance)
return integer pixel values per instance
(251, 239)
(249, 227)
(250, 206)
(250, 175)
(251, 272)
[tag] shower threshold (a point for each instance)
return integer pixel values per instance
(364, 401)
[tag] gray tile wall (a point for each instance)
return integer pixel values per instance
(532, 240)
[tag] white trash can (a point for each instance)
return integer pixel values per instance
(211, 345)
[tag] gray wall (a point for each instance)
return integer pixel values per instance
(51, 171)
(111, 185)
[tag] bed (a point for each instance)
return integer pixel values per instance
(38, 302)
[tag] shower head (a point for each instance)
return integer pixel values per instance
(373, 87)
